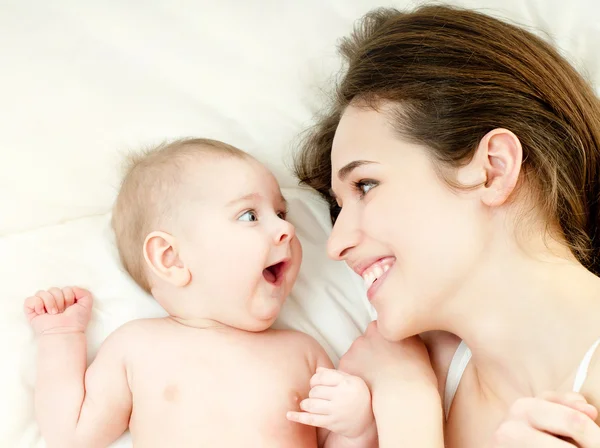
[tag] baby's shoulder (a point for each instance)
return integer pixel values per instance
(301, 343)
(292, 337)
(136, 330)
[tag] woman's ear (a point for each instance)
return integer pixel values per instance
(162, 257)
(495, 166)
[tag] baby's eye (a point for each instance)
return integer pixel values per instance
(282, 215)
(249, 216)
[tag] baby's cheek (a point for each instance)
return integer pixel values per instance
(296, 249)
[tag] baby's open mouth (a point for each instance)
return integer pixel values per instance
(274, 273)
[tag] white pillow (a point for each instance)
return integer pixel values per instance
(82, 252)
(81, 82)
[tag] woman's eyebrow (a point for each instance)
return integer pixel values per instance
(345, 171)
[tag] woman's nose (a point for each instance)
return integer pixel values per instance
(344, 236)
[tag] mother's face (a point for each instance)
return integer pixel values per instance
(399, 223)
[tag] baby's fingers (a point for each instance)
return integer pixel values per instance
(59, 298)
(306, 418)
(49, 301)
(316, 406)
(83, 297)
(322, 392)
(69, 296)
(326, 377)
(34, 306)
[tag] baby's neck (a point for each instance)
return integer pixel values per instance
(531, 326)
(200, 323)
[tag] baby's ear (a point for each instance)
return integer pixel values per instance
(162, 257)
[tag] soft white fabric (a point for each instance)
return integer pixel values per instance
(326, 301)
(83, 82)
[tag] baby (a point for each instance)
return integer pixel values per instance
(202, 226)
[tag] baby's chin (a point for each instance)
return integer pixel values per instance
(255, 325)
(264, 315)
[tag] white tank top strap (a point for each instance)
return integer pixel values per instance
(461, 359)
(582, 371)
(458, 365)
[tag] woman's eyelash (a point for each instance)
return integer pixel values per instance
(363, 186)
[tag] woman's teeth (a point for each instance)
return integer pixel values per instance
(375, 271)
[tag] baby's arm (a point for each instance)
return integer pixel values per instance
(339, 405)
(74, 407)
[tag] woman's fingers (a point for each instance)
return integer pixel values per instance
(573, 400)
(558, 420)
(518, 434)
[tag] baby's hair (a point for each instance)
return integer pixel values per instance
(147, 196)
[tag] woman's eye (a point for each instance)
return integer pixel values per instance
(249, 216)
(364, 186)
(334, 211)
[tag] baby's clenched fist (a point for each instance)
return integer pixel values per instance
(57, 310)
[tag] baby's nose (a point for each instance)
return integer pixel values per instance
(286, 232)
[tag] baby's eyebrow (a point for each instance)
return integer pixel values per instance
(245, 198)
(254, 197)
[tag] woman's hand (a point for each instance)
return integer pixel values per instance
(378, 361)
(552, 420)
(406, 402)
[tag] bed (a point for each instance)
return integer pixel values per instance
(83, 83)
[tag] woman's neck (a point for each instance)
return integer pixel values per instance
(527, 320)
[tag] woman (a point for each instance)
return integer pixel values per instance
(461, 161)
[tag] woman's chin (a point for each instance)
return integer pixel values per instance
(392, 326)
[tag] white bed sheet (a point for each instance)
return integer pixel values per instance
(83, 82)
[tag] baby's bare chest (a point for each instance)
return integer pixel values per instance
(220, 390)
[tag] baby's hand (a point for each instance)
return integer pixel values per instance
(339, 402)
(65, 310)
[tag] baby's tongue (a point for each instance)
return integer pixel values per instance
(269, 276)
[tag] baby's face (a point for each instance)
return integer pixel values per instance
(243, 255)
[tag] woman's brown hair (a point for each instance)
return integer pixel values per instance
(458, 74)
